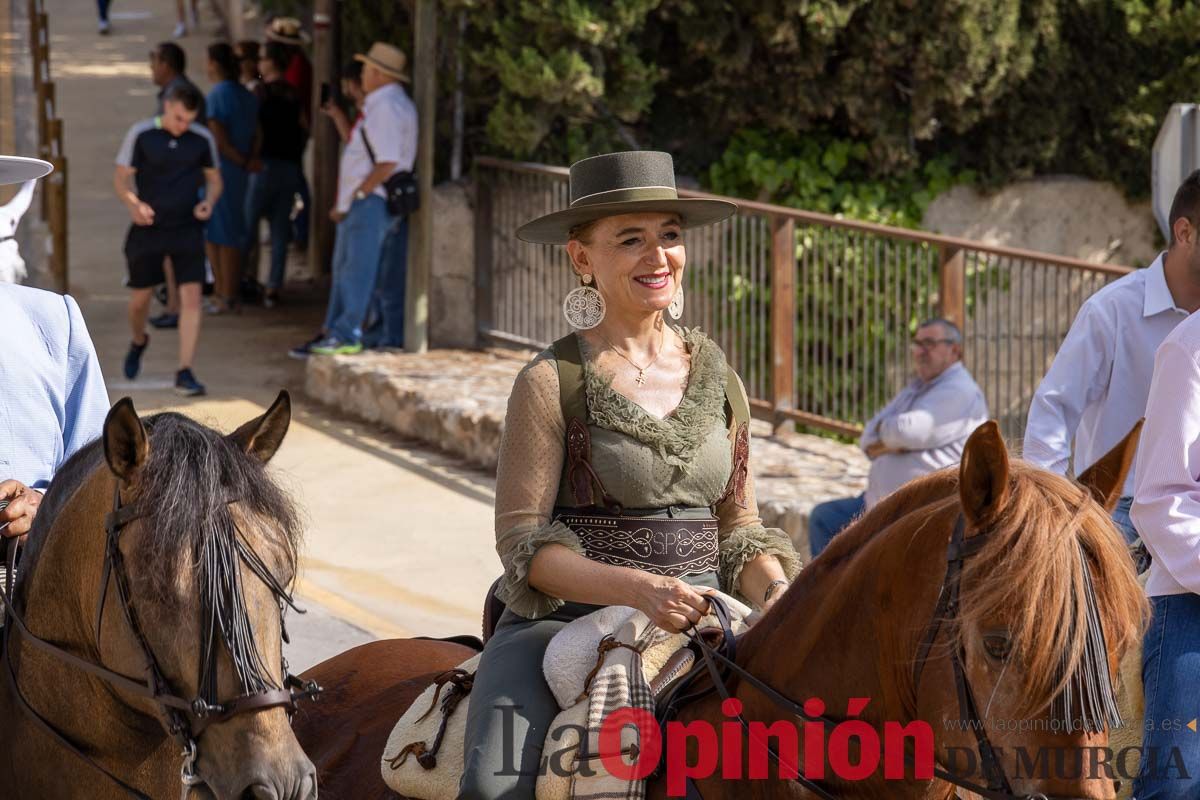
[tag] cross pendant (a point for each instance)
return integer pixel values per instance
(641, 378)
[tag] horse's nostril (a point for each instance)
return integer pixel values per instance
(259, 791)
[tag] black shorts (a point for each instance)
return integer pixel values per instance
(146, 247)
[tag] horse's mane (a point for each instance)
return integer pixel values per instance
(184, 489)
(1030, 573)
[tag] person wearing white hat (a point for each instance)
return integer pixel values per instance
(382, 142)
(54, 400)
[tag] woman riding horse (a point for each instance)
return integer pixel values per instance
(639, 422)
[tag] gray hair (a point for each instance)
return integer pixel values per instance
(952, 331)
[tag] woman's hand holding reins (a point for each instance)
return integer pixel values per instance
(670, 603)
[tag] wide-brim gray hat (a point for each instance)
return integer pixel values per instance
(633, 182)
(18, 169)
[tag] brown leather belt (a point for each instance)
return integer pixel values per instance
(672, 542)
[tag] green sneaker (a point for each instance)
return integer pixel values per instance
(332, 346)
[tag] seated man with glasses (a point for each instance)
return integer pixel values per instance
(921, 430)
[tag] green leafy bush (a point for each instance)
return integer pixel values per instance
(829, 175)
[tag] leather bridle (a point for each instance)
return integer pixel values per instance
(720, 666)
(184, 719)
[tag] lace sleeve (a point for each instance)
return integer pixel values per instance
(527, 478)
(742, 535)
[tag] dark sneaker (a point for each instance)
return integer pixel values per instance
(165, 320)
(333, 346)
(187, 385)
(305, 350)
(133, 359)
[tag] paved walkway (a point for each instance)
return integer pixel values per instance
(399, 537)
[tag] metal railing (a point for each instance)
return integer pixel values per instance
(815, 312)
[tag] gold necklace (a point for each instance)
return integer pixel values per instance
(641, 376)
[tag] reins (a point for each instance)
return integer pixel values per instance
(186, 719)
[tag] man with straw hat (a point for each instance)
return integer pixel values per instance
(382, 142)
(55, 401)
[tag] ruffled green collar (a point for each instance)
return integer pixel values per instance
(680, 434)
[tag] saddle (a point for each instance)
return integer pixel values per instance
(611, 658)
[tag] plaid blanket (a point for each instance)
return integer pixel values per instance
(620, 682)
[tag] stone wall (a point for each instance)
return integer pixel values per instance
(1031, 308)
(1056, 214)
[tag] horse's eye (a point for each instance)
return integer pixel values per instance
(997, 645)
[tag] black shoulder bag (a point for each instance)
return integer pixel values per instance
(402, 194)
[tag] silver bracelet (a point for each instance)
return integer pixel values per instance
(771, 589)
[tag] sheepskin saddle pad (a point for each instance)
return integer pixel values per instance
(612, 658)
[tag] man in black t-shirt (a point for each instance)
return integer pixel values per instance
(163, 164)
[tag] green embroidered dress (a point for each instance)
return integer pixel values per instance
(643, 461)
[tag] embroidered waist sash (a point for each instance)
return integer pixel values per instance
(673, 541)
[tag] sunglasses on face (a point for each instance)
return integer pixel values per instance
(929, 344)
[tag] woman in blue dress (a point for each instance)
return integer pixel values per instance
(233, 120)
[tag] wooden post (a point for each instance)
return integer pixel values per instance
(952, 296)
(235, 20)
(325, 144)
(483, 254)
(783, 320)
(55, 189)
(420, 248)
(45, 101)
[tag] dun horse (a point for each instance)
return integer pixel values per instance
(159, 617)
(1047, 604)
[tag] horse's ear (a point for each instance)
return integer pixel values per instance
(983, 473)
(261, 436)
(126, 447)
(1106, 478)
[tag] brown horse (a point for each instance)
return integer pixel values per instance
(855, 625)
(207, 543)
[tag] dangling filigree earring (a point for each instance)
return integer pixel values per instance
(584, 306)
(676, 307)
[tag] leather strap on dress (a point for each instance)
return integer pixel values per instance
(738, 407)
(577, 463)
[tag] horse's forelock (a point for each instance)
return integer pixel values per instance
(185, 489)
(1030, 574)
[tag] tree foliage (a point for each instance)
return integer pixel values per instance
(1003, 88)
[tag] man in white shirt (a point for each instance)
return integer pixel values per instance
(1095, 391)
(382, 143)
(921, 430)
(1166, 511)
